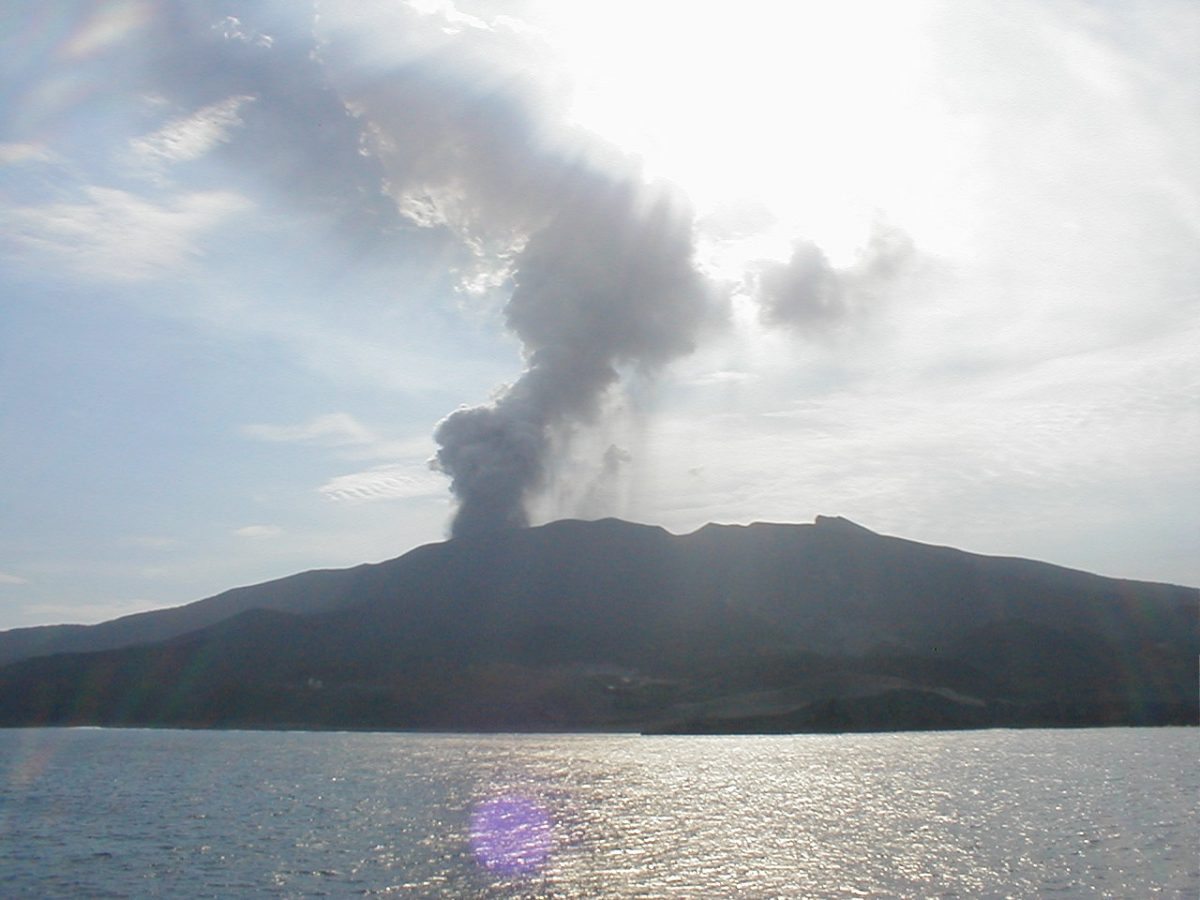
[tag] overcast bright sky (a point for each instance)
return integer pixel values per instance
(932, 266)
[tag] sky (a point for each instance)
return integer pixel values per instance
(289, 285)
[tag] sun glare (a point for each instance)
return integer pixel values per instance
(820, 112)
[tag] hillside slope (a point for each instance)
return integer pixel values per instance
(578, 625)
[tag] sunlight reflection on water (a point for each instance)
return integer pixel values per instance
(511, 835)
(1024, 813)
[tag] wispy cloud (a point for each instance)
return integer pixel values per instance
(341, 432)
(8, 578)
(390, 482)
(722, 376)
(258, 532)
(17, 153)
(406, 475)
(114, 235)
(189, 137)
(329, 430)
(232, 29)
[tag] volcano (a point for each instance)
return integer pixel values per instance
(613, 626)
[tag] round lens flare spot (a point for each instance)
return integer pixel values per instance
(511, 835)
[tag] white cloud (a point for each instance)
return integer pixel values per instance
(391, 482)
(190, 137)
(115, 235)
(258, 532)
(8, 578)
(232, 29)
(722, 377)
(342, 432)
(350, 439)
(329, 430)
(17, 153)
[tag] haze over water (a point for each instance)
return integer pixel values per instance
(1106, 812)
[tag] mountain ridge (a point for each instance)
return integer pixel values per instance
(160, 624)
(615, 625)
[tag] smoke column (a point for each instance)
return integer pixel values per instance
(477, 145)
(477, 149)
(608, 282)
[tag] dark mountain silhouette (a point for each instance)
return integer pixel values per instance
(611, 625)
(306, 593)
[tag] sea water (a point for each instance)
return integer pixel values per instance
(130, 813)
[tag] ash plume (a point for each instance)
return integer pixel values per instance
(609, 282)
(477, 149)
(599, 261)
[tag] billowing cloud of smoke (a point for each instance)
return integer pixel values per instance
(599, 260)
(808, 292)
(608, 282)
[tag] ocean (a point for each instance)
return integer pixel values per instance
(1003, 813)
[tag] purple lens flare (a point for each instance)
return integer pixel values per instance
(511, 835)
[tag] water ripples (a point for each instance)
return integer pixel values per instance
(1105, 813)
